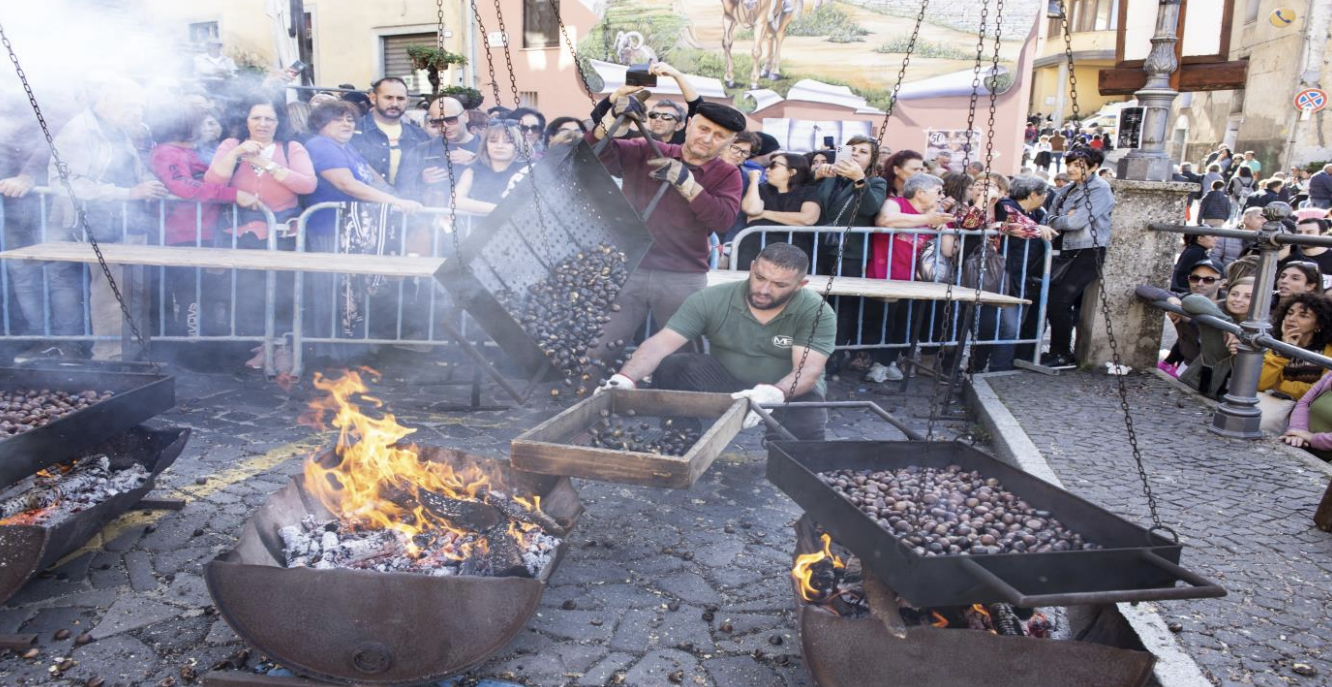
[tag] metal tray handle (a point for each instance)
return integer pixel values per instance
(765, 414)
(1199, 587)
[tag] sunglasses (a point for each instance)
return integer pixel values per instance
(529, 128)
(662, 115)
(445, 121)
(1200, 279)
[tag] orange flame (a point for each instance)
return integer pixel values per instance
(939, 620)
(374, 481)
(985, 616)
(804, 569)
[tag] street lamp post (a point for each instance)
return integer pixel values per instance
(1150, 162)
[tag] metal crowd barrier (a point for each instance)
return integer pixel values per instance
(874, 335)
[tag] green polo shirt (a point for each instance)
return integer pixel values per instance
(755, 353)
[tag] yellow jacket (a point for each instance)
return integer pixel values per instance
(1272, 379)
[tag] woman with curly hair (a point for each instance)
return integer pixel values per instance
(1303, 320)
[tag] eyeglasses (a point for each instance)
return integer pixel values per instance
(502, 122)
(741, 152)
(529, 128)
(662, 115)
(446, 121)
(1200, 279)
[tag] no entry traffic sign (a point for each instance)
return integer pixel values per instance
(1311, 99)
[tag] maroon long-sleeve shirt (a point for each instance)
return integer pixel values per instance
(679, 228)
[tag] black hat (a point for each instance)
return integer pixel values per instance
(725, 116)
(1209, 264)
(768, 144)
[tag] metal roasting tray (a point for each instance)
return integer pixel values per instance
(581, 206)
(1135, 565)
(26, 550)
(361, 627)
(137, 396)
(549, 447)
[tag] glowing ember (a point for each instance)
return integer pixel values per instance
(375, 486)
(50, 495)
(804, 570)
(939, 621)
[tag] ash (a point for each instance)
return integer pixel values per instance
(53, 495)
(326, 544)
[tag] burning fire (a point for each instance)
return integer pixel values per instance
(803, 572)
(939, 621)
(377, 483)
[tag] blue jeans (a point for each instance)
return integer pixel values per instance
(999, 356)
(38, 283)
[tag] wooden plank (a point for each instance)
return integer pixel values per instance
(228, 258)
(542, 448)
(883, 288)
(1220, 76)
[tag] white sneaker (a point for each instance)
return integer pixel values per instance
(892, 374)
(878, 372)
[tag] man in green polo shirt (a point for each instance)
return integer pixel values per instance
(759, 333)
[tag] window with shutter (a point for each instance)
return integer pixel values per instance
(396, 62)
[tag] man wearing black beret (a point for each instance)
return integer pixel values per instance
(706, 199)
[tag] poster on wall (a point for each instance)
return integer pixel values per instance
(949, 146)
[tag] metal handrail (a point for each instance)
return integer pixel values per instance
(1262, 340)
(1282, 239)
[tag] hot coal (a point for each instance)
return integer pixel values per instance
(639, 434)
(953, 512)
(52, 495)
(23, 410)
(564, 313)
(325, 544)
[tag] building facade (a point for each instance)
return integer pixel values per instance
(1093, 24)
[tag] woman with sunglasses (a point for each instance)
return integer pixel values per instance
(532, 124)
(786, 198)
(482, 185)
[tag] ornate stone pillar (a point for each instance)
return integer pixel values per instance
(1150, 162)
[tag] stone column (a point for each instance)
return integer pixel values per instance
(1137, 255)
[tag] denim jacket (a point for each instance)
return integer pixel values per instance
(373, 145)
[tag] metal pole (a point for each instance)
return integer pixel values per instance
(1150, 162)
(1238, 416)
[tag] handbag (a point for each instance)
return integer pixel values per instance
(933, 267)
(985, 270)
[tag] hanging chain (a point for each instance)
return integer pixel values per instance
(950, 305)
(856, 199)
(79, 208)
(901, 72)
(490, 59)
(439, 34)
(573, 51)
(448, 160)
(1121, 386)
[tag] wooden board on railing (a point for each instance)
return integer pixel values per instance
(229, 258)
(884, 289)
(410, 266)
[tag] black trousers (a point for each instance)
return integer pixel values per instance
(1076, 269)
(700, 372)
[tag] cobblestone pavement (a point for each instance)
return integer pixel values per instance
(1244, 511)
(645, 565)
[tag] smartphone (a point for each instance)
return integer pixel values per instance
(298, 66)
(638, 75)
(828, 142)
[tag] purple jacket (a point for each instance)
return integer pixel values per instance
(1299, 417)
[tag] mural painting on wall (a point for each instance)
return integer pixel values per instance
(772, 44)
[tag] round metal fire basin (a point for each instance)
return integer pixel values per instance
(367, 627)
(26, 550)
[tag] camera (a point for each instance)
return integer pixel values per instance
(638, 75)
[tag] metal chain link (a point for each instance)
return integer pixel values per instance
(1121, 386)
(439, 35)
(490, 59)
(859, 196)
(578, 66)
(79, 208)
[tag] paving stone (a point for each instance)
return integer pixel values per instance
(740, 671)
(131, 613)
(221, 633)
(656, 667)
(635, 631)
(189, 591)
(690, 587)
(139, 565)
(600, 673)
(576, 625)
(685, 626)
(117, 660)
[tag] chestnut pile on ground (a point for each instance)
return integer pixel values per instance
(629, 432)
(564, 312)
(23, 410)
(953, 512)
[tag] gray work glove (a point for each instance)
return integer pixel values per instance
(674, 171)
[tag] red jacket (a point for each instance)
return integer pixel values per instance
(181, 171)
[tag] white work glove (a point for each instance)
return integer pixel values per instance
(617, 381)
(761, 395)
(674, 172)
